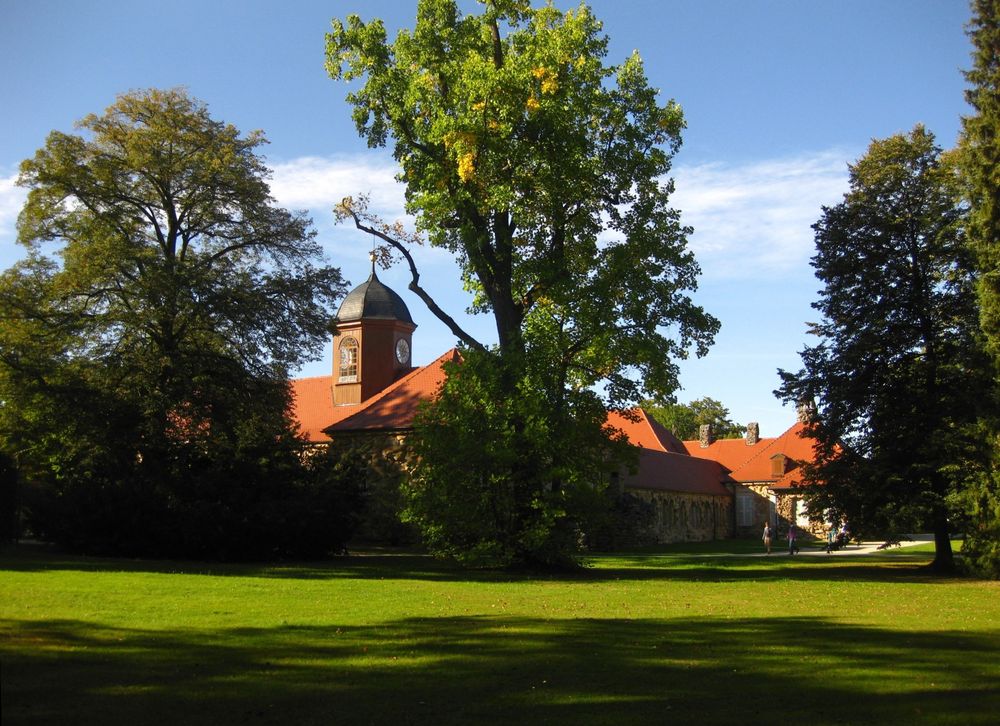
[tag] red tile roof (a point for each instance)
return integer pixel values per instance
(312, 406)
(753, 463)
(797, 448)
(394, 408)
(731, 453)
(645, 431)
(790, 480)
(665, 463)
(673, 472)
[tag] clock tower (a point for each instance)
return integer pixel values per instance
(372, 342)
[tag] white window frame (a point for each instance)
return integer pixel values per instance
(744, 508)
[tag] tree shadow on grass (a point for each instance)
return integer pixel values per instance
(462, 670)
(386, 565)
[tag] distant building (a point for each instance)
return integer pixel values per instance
(699, 490)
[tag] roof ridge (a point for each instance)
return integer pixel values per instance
(311, 378)
(643, 419)
(656, 427)
(771, 443)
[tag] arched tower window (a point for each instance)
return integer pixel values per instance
(348, 360)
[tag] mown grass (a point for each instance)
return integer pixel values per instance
(677, 635)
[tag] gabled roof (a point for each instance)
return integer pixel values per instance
(668, 471)
(753, 463)
(665, 463)
(645, 431)
(312, 406)
(394, 408)
(794, 444)
(731, 453)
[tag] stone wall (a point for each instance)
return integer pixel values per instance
(760, 508)
(687, 517)
(792, 507)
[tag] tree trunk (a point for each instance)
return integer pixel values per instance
(944, 560)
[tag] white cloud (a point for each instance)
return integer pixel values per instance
(756, 218)
(12, 198)
(748, 218)
(319, 183)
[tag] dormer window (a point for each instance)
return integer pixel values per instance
(779, 466)
(348, 361)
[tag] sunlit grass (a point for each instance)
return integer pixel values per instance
(643, 637)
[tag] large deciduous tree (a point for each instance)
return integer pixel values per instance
(898, 370)
(686, 419)
(148, 335)
(544, 172)
(980, 163)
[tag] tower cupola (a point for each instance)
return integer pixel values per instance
(372, 341)
(372, 300)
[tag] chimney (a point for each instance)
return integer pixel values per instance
(705, 435)
(753, 433)
(805, 410)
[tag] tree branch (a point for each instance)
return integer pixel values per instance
(497, 44)
(415, 287)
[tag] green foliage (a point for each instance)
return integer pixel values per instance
(978, 503)
(379, 509)
(898, 373)
(543, 171)
(685, 419)
(148, 334)
(528, 479)
(979, 159)
(519, 148)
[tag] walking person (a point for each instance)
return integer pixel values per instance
(792, 547)
(768, 533)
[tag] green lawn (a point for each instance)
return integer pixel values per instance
(669, 636)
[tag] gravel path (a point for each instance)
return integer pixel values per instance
(780, 548)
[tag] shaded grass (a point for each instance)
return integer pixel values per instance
(645, 637)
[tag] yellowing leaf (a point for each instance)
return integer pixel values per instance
(466, 166)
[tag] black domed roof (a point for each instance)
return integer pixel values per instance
(373, 300)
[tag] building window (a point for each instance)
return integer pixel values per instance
(348, 360)
(744, 508)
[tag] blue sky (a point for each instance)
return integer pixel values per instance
(779, 96)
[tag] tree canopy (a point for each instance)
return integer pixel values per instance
(686, 419)
(980, 146)
(898, 372)
(149, 333)
(544, 172)
(979, 155)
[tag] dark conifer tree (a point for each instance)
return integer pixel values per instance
(898, 369)
(980, 161)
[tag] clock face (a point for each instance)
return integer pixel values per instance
(402, 351)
